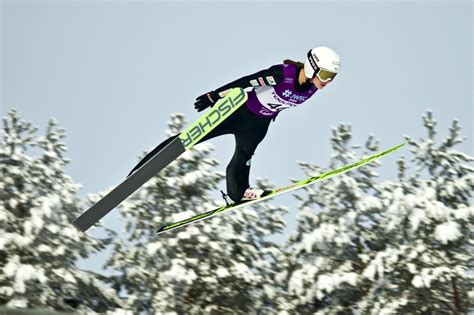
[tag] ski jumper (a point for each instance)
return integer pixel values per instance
(272, 90)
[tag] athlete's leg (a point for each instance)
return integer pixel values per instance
(237, 172)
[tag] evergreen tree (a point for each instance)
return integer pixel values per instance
(395, 247)
(425, 264)
(38, 245)
(211, 267)
(323, 265)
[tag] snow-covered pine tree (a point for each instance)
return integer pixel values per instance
(425, 265)
(323, 265)
(402, 247)
(212, 267)
(38, 245)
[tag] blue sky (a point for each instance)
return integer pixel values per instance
(112, 72)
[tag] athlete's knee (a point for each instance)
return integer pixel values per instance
(245, 153)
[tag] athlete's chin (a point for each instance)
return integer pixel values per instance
(319, 85)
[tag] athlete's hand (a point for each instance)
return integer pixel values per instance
(206, 100)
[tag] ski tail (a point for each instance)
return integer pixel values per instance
(193, 219)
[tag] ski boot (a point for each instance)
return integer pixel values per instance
(254, 193)
(249, 194)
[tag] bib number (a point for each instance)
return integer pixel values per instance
(276, 107)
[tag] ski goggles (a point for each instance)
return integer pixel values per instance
(323, 75)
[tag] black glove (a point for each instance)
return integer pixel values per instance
(206, 100)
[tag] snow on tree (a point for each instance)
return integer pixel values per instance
(220, 265)
(394, 247)
(323, 268)
(425, 265)
(38, 245)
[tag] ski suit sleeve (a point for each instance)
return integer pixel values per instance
(270, 76)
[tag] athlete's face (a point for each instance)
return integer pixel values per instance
(319, 84)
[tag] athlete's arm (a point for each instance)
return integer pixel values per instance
(270, 76)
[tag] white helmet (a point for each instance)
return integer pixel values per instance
(322, 62)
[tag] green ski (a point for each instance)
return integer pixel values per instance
(187, 139)
(278, 191)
